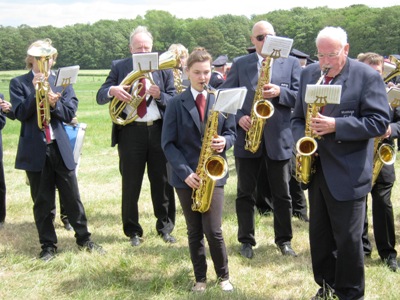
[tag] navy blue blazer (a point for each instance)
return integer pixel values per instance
(278, 138)
(363, 113)
(2, 124)
(164, 79)
(181, 137)
(31, 153)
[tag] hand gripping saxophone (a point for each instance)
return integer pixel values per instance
(123, 113)
(210, 167)
(307, 145)
(262, 109)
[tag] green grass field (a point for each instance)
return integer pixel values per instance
(154, 270)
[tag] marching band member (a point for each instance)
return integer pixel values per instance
(139, 143)
(182, 141)
(338, 189)
(51, 165)
(382, 208)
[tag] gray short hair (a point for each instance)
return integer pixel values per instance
(336, 33)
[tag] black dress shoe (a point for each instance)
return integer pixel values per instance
(168, 238)
(287, 250)
(135, 240)
(91, 246)
(47, 254)
(66, 224)
(301, 217)
(246, 250)
(391, 262)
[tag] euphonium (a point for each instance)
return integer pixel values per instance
(262, 110)
(307, 145)
(210, 167)
(42, 55)
(395, 72)
(123, 113)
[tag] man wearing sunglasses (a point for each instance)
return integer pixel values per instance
(275, 150)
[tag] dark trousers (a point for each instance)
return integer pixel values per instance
(2, 193)
(335, 240)
(383, 221)
(140, 146)
(263, 193)
(43, 187)
(278, 173)
(206, 224)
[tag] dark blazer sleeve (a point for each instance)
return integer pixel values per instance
(2, 115)
(31, 153)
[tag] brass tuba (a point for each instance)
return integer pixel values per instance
(210, 167)
(262, 109)
(123, 113)
(43, 53)
(307, 145)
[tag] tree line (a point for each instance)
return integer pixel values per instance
(94, 46)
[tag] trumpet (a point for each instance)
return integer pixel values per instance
(43, 54)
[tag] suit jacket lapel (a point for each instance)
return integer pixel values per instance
(189, 104)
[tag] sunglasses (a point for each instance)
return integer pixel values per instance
(261, 37)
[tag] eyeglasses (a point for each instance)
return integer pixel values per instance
(329, 55)
(261, 37)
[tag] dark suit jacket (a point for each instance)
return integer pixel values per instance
(277, 133)
(363, 113)
(216, 80)
(164, 79)
(2, 124)
(31, 153)
(181, 137)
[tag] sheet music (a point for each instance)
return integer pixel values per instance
(67, 75)
(230, 100)
(145, 61)
(323, 94)
(276, 46)
(393, 95)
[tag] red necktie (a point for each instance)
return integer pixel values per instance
(142, 108)
(201, 104)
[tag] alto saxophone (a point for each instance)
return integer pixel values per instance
(210, 167)
(384, 153)
(262, 110)
(307, 145)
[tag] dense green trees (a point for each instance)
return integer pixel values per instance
(95, 46)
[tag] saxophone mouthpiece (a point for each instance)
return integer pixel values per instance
(206, 87)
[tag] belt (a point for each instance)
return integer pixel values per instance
(148, 123)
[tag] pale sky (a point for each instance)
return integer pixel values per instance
(69, 12)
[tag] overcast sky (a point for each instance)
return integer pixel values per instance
(68, 12)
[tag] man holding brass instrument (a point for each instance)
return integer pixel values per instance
(383, 180)
(343, 167)
(44, 150)
(276, 139)
(139, 141)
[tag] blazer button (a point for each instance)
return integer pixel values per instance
(339, 142)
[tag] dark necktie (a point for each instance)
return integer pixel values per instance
(201, 104)
(142, 108)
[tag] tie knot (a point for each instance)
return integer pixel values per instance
(328, 79)
(200, 97)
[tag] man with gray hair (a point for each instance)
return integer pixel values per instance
(338, 188)
(139, 142)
